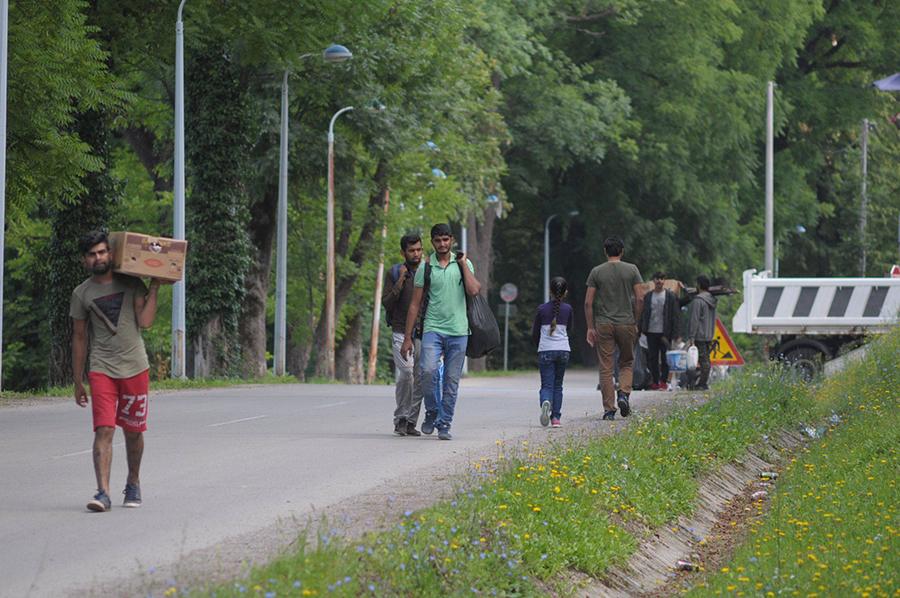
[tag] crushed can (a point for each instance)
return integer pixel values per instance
(686, 566)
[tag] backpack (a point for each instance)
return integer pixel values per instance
(394, 276)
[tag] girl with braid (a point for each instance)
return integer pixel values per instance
(552, 327)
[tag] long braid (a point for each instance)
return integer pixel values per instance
(558, 288)
(555, 314)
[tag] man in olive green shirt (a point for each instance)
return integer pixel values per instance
(611, 307)
(446, 326)
(110, 310)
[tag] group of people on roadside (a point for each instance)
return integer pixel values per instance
(425, 301)
(617, 312)
(426, 309)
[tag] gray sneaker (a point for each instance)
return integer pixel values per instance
(445, 434)
(132, 494)
(100, 503)
(545, 413)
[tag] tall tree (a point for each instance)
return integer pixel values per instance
(61, 96)
(217, 214)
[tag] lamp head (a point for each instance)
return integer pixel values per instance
(336, 53)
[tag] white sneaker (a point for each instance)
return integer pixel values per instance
(545, 413)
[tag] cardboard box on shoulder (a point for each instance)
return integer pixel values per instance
(670, 284)
(146, 256)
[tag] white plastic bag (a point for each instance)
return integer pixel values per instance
(693, 358)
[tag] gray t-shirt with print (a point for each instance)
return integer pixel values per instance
(116, 346)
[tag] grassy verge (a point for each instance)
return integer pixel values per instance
(519, 527)
(168, 384)
(833, 527)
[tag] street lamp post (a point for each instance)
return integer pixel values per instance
(4, 60)
(864, 200)
(178, 291)
(329, 256)
(547, 253)
(334, 53)
(770, 178)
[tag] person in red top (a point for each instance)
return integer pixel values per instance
(114, 308)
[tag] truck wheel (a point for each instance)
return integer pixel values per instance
(805, 362)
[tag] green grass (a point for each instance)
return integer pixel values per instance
(167, 384)
(832, 528)
(532, 514)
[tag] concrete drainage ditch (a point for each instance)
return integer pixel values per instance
(680, 545)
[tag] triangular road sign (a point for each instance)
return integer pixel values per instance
(895, 271)
(723, 350)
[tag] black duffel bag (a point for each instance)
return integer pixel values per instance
(484, 333)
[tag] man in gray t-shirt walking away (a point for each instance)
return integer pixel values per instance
(611, 307)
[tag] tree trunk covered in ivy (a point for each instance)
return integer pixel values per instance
(219, 134)
(69, 222)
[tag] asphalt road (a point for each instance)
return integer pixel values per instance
(224, 462)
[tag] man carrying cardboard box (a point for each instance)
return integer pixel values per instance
(115, 307)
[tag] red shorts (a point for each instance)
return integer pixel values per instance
(120, 401)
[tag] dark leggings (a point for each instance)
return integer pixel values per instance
(656, 349)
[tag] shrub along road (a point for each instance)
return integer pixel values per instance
(226, 463)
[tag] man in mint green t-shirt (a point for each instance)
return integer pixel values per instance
(443, 283)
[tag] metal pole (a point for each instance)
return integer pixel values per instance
(178, 292)
(506, 338)
(777, 262)
(4, 60)
(864, 200)
(464, 242)
(281, 254)
(376, 310)
(329, 256)
(770, 177)
(547, 257)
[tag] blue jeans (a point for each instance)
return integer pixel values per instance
(440, 403)
(552, 365)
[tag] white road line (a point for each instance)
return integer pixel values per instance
(236, 421)
(85, 452)
(331, 405)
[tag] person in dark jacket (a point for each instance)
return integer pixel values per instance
(399, 285)
(702, 327)
(659, 323)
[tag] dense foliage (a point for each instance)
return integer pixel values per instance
(645, 117)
